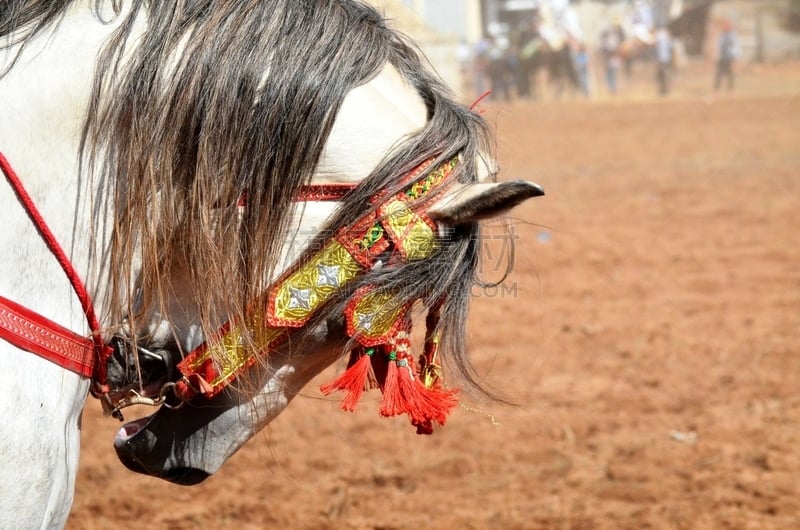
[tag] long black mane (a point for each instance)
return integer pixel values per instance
(220, 98)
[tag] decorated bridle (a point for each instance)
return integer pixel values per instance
(378, 324)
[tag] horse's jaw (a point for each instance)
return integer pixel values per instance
(187, 445)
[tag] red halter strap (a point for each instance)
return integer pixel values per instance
(33, 332)
(314, 193)
(324, 192)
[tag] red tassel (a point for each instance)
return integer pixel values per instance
(405, 394)
(354, 381)
(392, 402)
(426, 405)
(436, 404)
(409, 390)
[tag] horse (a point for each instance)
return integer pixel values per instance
(553, 58)
(637, 47)
(189, 165)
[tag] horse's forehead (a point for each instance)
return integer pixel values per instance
(373, 118)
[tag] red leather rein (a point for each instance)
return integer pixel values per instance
(85, 356)
(34, 333)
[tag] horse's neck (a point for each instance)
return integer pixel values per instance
(44, 96)
(43, 99)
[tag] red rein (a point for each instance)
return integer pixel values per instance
(35, 333)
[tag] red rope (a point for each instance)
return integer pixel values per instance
(55, 248)
(480, 98)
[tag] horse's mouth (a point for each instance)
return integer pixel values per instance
(134, 439)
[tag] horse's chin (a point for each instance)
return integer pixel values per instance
(145, 448)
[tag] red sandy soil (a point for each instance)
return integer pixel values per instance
(649, 335)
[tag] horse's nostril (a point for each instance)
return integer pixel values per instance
(129, 430)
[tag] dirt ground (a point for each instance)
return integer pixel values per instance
(649, 335)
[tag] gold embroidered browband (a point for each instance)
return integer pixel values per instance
(378, 323)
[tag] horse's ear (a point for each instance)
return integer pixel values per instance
(467, 203)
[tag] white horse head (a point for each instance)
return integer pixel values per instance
(191, 111)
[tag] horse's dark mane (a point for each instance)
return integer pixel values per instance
(184, 121)
(15, 14)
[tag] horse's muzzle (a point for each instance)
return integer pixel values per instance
(140, 450)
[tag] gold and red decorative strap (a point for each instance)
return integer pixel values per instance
(375, 319)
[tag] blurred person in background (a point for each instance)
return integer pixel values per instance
(728, 51)
(527, 45)
(641, 19)
(464, 56)
(611, 40)
(499, 68)
(480, 66)
(663, 51)
(582, 68)
(640, 34)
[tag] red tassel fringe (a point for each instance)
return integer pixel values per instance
(392, 402)
(354, 381)
(403, 390)
(405, 394)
